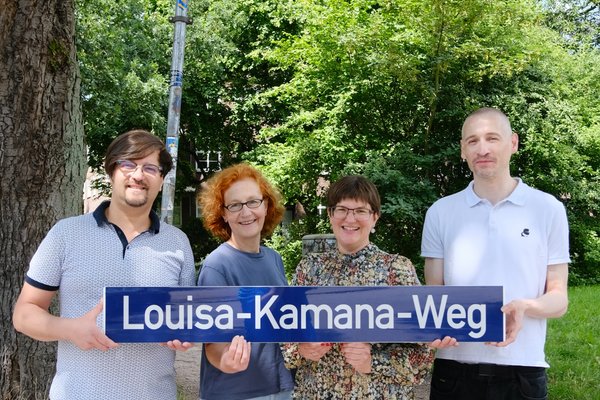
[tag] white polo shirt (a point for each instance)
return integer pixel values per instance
(509, 244)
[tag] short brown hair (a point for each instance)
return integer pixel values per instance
(355, 187)
(136, 144)
(212, 200)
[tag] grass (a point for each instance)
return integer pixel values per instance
(181, 395)
(573, 348)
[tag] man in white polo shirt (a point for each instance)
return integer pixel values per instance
(497, 231)
(122, 243)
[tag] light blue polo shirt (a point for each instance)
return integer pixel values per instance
(79, 257)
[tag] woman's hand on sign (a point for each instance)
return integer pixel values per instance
(236, 355)
(313, 351)
(358, 355)
(178, 345)
(447, 341)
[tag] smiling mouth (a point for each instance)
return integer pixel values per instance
(247, 222)
(137, 187)
(350, 228)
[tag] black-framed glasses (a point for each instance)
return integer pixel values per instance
(360, 213)
(235, 207)
(129, 167)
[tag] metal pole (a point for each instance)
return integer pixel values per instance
(168, 192)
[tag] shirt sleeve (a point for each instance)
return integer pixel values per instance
(211, 276)
(558, 238)
(188, 271)
(46, 265)
(431, 241)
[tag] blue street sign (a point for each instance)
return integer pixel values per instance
(304, 313)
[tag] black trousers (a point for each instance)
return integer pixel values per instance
(452, 380)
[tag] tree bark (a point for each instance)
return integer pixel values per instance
(42, 164)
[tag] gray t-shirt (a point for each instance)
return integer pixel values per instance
(266, 374)
(79, 257)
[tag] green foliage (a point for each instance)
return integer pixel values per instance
(368, 76)
(310, 90)
(577, 20)
(223, 75)
(406, 195)
(59, 54)
(287, 240)
(382, 90)
(124, 55)
(201, 240)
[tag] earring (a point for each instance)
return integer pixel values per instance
(373, 230)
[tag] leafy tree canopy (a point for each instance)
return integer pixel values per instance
(310, 90)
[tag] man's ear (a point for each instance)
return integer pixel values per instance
(514, 142)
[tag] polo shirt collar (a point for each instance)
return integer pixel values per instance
(471, 197)
(100, 217)
(517, 196)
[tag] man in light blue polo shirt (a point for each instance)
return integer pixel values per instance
(498, 231)
(122, 243)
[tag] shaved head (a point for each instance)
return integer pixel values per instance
(485, 113)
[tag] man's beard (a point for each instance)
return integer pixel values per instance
(137, 201)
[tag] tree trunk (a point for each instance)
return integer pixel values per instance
(42, 163)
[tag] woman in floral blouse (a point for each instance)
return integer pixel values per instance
(356, 370)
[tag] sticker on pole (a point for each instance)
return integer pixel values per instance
(171, 145)
(304, 313)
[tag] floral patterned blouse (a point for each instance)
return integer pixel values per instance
(395, 367)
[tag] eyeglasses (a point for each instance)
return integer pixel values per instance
(235, 207)
(129, 167)
(360, 214)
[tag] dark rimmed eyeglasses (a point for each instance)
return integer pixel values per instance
(360, 214)
(235, 207)
(129, 167)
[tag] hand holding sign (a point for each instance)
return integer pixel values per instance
(231, 357)
(447, 341)
(358, 355)
(313, 351)
(514, 313)
(178, 345)
(85, 334)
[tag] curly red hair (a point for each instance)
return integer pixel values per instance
(211, 200)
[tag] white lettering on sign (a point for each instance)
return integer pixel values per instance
(155, 317)
(222, 321)
(342, 316)
(455, 315)
(126, 323)
(313, 316)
